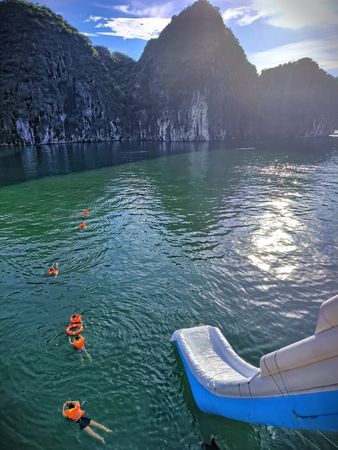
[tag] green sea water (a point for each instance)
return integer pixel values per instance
(242, 239)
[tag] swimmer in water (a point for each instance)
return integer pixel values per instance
(53, 270)
(72, 411)
(82, 225)
(78, 343)
(76, 318)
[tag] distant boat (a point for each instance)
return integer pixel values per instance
(334, 134)
(293, 387)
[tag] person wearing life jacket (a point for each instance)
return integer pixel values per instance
(75, 318)
(72, 411)
(85, 212)
(82, 225)
(78, 343)
(53, 270)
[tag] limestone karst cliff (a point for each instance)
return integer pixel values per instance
(196, 79)
(297, 99)
(54, 85)
(192, 83)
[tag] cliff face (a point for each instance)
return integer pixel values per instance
(195, 79)
(54, 86)
(296, 99)
(193, 83)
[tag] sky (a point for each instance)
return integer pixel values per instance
(271, 32)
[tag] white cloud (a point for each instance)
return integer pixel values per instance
(94, 18)
(88, 34)
(296, 14)
(131, 28)
(248, 19)
(234, 13)
(244, 15)
(142, 10)
(322, 51)
(292, 14)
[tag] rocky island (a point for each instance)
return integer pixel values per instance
(192, 83)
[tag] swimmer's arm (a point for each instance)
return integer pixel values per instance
(75, 402)
(70, 340)
(64, 406)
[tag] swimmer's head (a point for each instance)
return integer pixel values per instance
(71, 405)
(78, 338)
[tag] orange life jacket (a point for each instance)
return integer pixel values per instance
(52, 271)
(82, 225)
(75, 413)
(79, 344)
(75, 318)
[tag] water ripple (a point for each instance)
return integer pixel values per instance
(242, 240)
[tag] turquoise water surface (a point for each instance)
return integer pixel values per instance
(242, 239)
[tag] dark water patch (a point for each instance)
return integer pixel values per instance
(26, 163)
